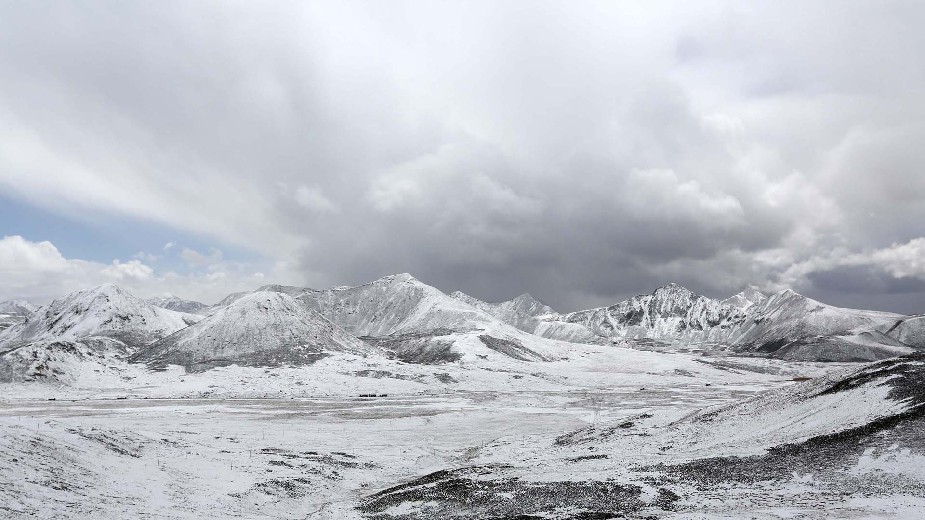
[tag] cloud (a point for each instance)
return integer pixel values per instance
(39, 272)
(897, 261)
(314, 200)
(583, 153)
(197, 259)
(133, 269)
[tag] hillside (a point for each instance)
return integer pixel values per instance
(264, 328)
(107, 311)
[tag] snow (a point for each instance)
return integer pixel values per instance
(255, 411)
(106, 309)
(262, 328)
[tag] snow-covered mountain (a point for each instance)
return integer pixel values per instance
(909, 329)
(105, 311)
(174, 303)
(13, 312)
(530, 315)
(745, 299)
(264, 328)
(419, 323)
(20, 307)
(792, 326)
(786, 325)
(672, 313)
(396, 304)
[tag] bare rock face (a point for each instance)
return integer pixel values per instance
(105, 311)
(264, 328)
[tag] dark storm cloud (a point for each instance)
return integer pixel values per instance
(582, 153)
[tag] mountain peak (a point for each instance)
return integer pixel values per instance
(527, 304)
(107, 288)
(393, 278)
(262, 328)
(526, 297)
(672, 289)
(749, 296)
(16, 307)
(106, 309)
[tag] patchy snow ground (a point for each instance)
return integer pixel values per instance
(119, 441)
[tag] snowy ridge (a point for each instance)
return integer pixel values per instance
(910, 331)
(14, 312)
(532, 316)
(396, 304)
(671, 313)
(796, 327)
(174, 303)
(16, 307)
(786, 324)
(264, 328)
(745, 299)
(106, 310)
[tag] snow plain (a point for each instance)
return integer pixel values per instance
(252, 442)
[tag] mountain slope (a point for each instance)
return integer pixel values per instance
(264, 328)
(14, 312)
(671, 313)
(745, 299)
(21, 307)
(396, 304)
(909, 330)
(532, 316)
(179, 305)
(791, 326)
(107, 311)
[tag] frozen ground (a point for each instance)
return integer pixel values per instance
(467, 440)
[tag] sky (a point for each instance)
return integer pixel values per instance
(582, 152)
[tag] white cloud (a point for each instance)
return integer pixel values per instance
(899, 260)
(582, 140)
(195, 258)
(37, 271)
(18, 255)
(133, 269)
(313, 199)
(660, 194)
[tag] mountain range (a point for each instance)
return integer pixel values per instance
(403, 318)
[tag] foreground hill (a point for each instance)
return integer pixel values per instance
(264, 328)
(805, 448)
